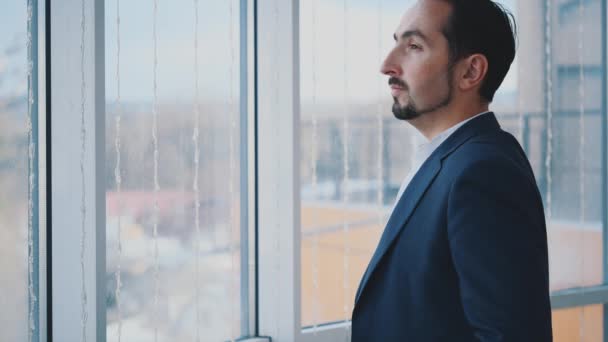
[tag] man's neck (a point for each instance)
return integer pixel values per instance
(432, 124)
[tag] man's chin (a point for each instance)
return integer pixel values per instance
(404, 117)
(404, 112)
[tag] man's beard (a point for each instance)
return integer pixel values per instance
(411, 110)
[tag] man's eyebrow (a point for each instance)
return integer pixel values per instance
(411, 33)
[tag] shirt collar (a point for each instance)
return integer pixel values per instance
(426, 147)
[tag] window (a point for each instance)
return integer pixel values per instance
(354, 154)
(223, 170)
(173, 238)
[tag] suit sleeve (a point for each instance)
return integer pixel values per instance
(498, 243)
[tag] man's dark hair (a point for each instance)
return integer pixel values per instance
(487, 28)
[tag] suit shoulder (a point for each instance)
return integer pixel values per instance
(487, 148)
(493, 154)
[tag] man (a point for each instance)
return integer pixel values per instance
(463, 256)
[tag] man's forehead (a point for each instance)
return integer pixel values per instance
(426, 16)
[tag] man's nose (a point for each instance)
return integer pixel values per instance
(390, 67)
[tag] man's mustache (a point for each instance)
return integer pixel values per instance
(394, 80)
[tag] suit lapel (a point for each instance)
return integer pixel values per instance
(418, 186)
(403, 210)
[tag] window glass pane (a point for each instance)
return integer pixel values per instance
(173, 242)
(558, 120)
(579, 324)
(18, 180)
(354, 153)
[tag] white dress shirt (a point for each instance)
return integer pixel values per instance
(424, 150)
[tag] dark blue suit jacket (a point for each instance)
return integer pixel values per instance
(463, 256)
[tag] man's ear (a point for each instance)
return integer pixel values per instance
(474, 70)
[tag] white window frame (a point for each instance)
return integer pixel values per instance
(278, 136)
(65, 221)
(278, 105)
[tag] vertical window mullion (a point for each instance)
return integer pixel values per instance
(278, 168)
(67, 144)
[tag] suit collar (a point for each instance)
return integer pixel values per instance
(418, 186)
(479, 125)
(441, 137)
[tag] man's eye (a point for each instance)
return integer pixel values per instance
(414, 47)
